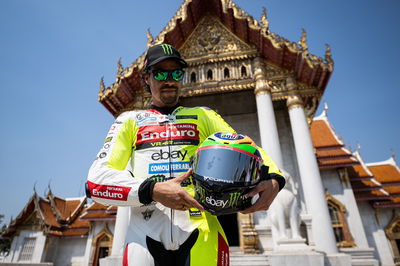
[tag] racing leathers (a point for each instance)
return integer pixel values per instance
(158, 146)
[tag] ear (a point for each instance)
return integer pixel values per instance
(146, 78)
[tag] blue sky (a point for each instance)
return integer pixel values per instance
(53, 54)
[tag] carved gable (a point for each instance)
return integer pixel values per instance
(211, 38)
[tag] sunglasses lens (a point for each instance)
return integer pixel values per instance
(177, 74)
(160, 75)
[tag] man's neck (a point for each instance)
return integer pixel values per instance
(165, 109)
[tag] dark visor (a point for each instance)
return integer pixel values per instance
(227, 165)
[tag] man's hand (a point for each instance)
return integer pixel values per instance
(267, 191)
(172, 195)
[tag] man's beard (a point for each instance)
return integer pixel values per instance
(169, 99)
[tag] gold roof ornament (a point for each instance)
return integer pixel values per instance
(264, 20)
(150, 38)
(120, 70)
(328, 54)
(102, 86)
(303, 40)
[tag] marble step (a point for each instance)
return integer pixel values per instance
(237, 257)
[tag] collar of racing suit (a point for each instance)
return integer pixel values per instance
(165, 110)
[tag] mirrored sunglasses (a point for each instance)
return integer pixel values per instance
(162, 75)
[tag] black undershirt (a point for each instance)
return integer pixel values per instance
(165, 110)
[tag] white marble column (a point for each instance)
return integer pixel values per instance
(310, 178)
(266, 115)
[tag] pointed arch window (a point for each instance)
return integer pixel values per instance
(102, 244)
(226, 73)
(393, 234)
(337, 212)
(243, 71)
(193, 77)
(209, 74)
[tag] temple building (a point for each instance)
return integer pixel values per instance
(335, 209)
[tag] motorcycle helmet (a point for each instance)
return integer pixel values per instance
(226, 167)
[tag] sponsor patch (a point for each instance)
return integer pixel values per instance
(147, 214)
(108, 191)
(186, 117)
(229, 136)
(163, 168)
(162, 135)
(223, 251)
(164, 155)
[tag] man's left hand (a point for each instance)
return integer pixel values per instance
(267, 190)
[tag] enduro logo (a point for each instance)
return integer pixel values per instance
(217, 203)
(164, 155)
(163, 135)
(109, 191)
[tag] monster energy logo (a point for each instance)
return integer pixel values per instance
(201, 193)
(167, 49)
(158, 178)
(233, 199)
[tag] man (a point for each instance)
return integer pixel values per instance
(144, 164)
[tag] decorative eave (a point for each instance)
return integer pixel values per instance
(308, 70)
(329, 147)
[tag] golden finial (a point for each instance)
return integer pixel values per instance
(303, 40)
(150, 39)
(358, 148)
(102, 86)
(264, 20)
(328, 54)
(120, 70)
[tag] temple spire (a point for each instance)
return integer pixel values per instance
(264, 20)
(328, 54)
(120, 70)
(102, 86)
(303, 40)
(150, 38)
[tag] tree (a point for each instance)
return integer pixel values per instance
(5, 243)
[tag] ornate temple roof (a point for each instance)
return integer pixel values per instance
(97, 212)
(329, 147)
(59, 217)
(308, 69)
(388, 174)
(378, 183)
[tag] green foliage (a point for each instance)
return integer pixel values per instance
(5, 243)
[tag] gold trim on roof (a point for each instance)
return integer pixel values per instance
(278, 42)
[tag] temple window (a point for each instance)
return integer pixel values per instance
(193, 77)
(393, 234)
(209, 74)
(243, 71)
(27, 249)
(226, 73)
(337, 212)
(102, 244)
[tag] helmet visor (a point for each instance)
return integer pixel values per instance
(225, 164)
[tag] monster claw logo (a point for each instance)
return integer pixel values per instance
(233, 199)
(158, 178)
(167, 49)
(201, 193)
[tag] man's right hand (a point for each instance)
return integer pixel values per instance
(172, 195)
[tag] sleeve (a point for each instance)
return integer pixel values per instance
(270, 170)
(215, 123)
(109, 180)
